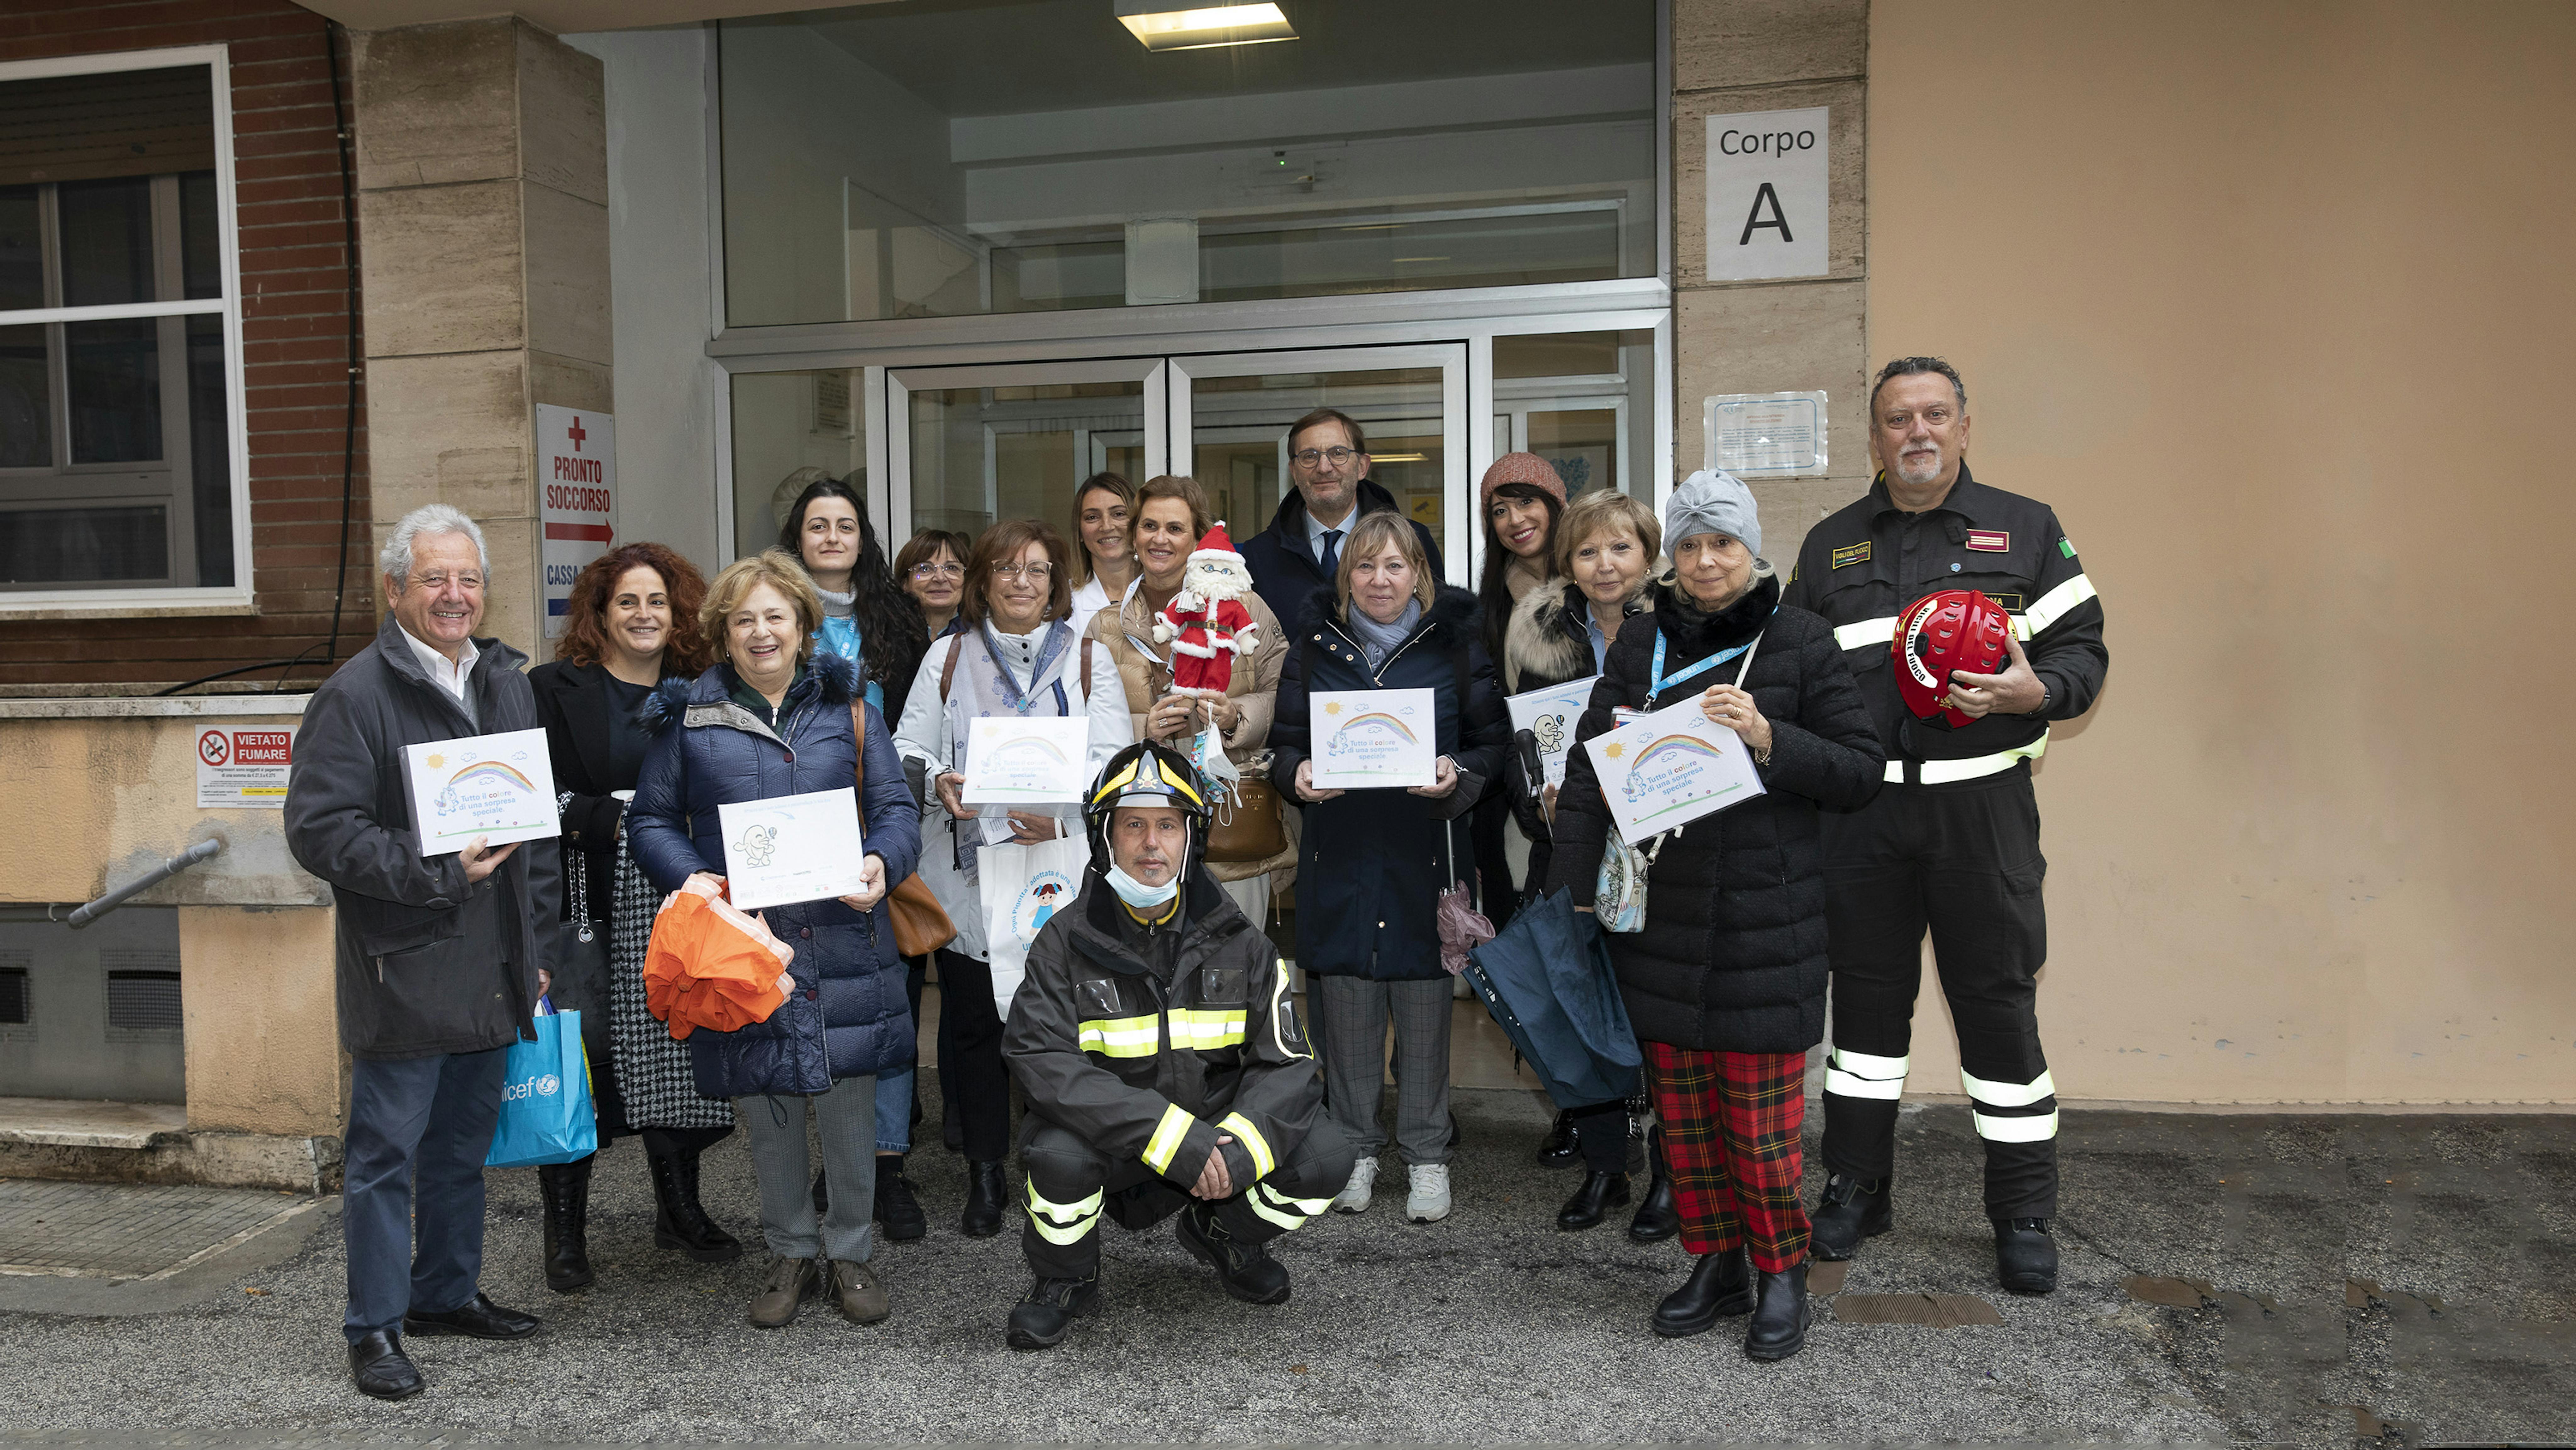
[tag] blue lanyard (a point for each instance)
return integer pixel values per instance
(1657, 681)
(1058, 636)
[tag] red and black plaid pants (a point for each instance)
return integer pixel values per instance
(1731, 1122)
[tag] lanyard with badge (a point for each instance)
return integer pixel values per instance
(1657, 681)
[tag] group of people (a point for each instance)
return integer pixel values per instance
(1157, 1038)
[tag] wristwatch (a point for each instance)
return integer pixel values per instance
(2042, 707)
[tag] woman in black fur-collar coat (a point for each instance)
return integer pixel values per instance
(1726, 984)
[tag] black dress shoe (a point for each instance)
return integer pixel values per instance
(1599, 1193)
(477, 1317)
(564, 1189)
(1849, 1212)
(1717, 1287)
(1559, 1148)
(2025, 1255)
(378, 1366)
(1658, 1216)
(898, 1207)
(1779, 1327)
(1042, 1318)
(985, 1193)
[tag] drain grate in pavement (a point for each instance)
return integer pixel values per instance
(125, 1230)
(1938, 1311)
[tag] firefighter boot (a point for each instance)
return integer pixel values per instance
(1246, 1270)
(1849, 1212)
(2025, 1255)
(1042, 1318)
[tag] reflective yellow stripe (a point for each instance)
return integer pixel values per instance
(1861, 1075)
(1279, 1208)
(1278, 1005)
(1866, 632)
(2016, 1130)
(1209, 1027)
(1250, 1137)
(2008, 1094)
(1119, 1036)
(1943, 772)
(1045, 1207)
(2053, 605)
(1167, 1138)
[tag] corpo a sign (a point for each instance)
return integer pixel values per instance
(577, 498)
(1768, 194)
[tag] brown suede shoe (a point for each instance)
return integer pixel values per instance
(783, 1292)
(854, 1290)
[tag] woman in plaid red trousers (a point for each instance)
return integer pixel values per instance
(1726, 983)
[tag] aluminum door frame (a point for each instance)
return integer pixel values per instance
(890, 415)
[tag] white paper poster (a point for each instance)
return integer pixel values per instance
(1367, 738)
(1014, 760)
(1021, 889)
(1768, 194)
(1670, 768)
(577, 466)
(500, 787)
(791, 848)
(1765, 435)
(243, 769)
(1550, 715)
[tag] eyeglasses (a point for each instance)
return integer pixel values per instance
(1039, 572)
(471, 583)
(1309, 457)
(950, 570)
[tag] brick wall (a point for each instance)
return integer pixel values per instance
(295, 328)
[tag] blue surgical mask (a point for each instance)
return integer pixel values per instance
(1136, 893)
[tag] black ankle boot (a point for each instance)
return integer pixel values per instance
(1850, 1211)
(985, 1192)
(898, 1208)
(1600, 1193)
(1559, 1147)
(2025, 1255)
(678, 1221)
(1779, 1326)
(565, 1190)
(1658, 1217)
(1718, 1286)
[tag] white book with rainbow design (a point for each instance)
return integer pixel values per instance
(1019, 760)
(1670, 768)
(1370, 738)
(499, 787)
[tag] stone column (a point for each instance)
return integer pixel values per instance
(1761, 337)
(483, 231)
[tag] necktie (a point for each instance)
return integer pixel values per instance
(1332, 551)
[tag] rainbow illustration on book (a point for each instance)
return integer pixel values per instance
(487, 794)
(1035, 746)
(1379, 719)
(1671, 768)
(503, 775)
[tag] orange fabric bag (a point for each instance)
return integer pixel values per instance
(710, 966)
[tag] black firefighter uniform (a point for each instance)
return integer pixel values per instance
(1138, 1048)
(1951, 843)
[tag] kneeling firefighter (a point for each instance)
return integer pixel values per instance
(1163, 1061)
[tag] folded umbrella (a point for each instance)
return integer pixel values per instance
(1548, 981)
(709, 965)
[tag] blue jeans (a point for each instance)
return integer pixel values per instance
(419, 1129)
(894, 1085)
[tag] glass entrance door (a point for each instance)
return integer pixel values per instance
(970, 446)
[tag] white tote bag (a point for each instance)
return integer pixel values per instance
(1024, 886)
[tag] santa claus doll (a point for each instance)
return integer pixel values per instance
(1207, 626)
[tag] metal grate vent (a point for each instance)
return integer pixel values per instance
(143, 1002)
(16, 1006)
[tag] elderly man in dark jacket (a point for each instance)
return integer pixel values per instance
(441, 957)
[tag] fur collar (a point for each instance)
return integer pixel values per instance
(827, 672)
(1692, 634)
(1549, 641)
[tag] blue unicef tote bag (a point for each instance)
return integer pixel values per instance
(546, 1115)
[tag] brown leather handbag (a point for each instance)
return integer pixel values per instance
(920, 926)
(1250, 830)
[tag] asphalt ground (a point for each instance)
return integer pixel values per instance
(2381, 1280)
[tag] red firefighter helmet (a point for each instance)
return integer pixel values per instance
(1956, 629)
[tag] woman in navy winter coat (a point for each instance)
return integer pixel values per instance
(1372, 863)
(774, 719)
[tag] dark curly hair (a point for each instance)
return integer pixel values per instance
(585, 638)
(891, 634)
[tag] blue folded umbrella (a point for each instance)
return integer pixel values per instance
(1548, 981)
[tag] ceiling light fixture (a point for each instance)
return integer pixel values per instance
(1160, 27)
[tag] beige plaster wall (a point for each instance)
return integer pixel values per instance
(262, 1022)
(2271, 302)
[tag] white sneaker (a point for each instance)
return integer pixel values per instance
(1429, 1200)
(1355, 1195)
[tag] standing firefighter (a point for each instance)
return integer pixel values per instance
(1163, 1061)
(1952, 841)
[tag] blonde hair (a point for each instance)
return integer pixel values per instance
(1370, 537)
(781, 571)
(1602, 511)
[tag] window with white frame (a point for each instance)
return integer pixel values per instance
(121, 453)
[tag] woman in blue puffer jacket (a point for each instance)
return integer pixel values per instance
(774, 719)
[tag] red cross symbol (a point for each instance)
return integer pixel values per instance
(577, 433)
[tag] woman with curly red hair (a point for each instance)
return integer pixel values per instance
(632, 622)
